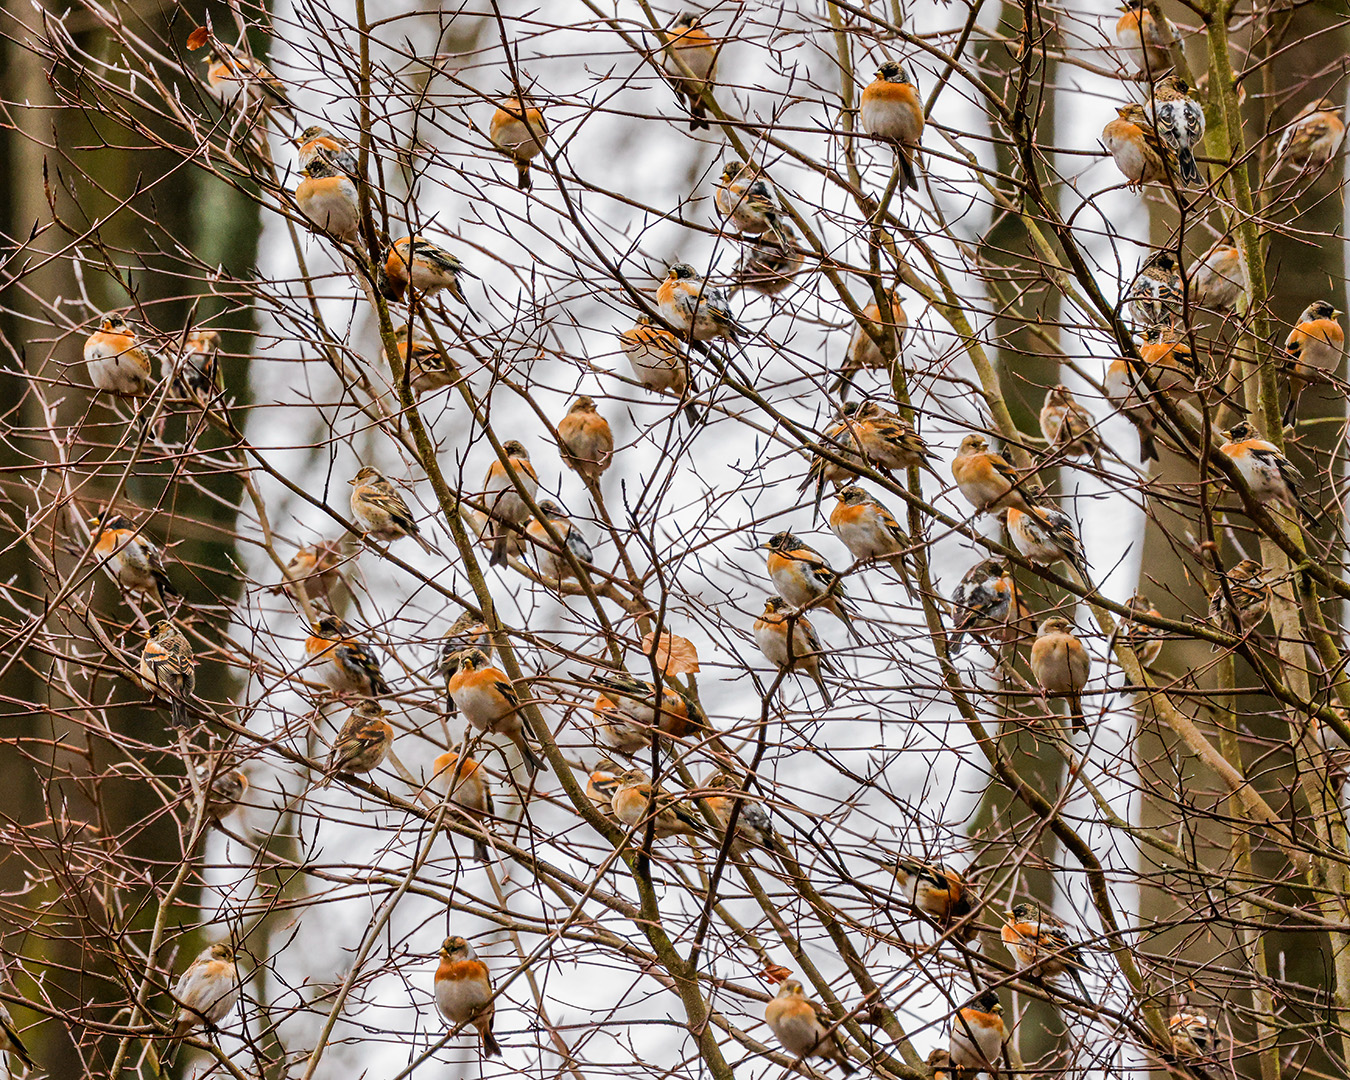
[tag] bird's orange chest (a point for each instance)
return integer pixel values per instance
(111, 540)
(846, 514)
(892, 93)
(460, 971)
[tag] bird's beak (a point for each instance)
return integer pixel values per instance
(352, 482)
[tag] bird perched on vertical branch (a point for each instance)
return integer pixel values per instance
(794, 1020)
(863, 353)
(518, 131)
(1144, 40)
(412, 262)
(1314, 345)
(690, 63)
(194, 368)
(168, 668)
(637, 802)
(463, 991)
(116, 359)
(801, 650)
(585, 438)
(506, 510)
(1180, 121)
(489, 702)
(891, 109)
(1060, 666)
(381, 511)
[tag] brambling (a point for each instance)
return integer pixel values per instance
(466, 632)
(194, 370)
(1312, 140)
(427, 267)
(626, 713)
(428, 368)
(978, 1034)
(205, 993)
(795, 1022)
(1143, 39)
(489, 702)
(803, 578)
(551, 562)
(518, 131)
(1069, 429)
(1136, 147)
(769, 263)
(342, 662)
(891, 109)
(10, 1041)
(752, 823)
(1194, 1035)
(602, 783)
(318, 142)
(636, 802)
(314, 566)
(1060, 666)
(506, 510)
(1220, 277)
(807, 652)
(939, 892)
(745, 200)
(1145, 641)
(689, 46)
(1251, 594)
(1042, 945)
(235, 78)
(224, 791)
(870, 531)
(884, 440)
(168, 669)
(1167, 358)
(697, 309)
(863, 352)
(1045, 535)
(657, 361)
(1314, 346)
(464, 991)
(1268, 474)
(1154, 296)
(585, 439)
(986, 599)
(361, 745)
(134, 562)
(116, 359)
(381, 511)
(1180, 120)
(463, 781)
(939, 1062)
(985, 478)
(328, 198)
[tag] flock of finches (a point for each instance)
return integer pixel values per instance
(1151, 143)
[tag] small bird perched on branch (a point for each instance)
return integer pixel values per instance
(518, 130)
(168, 668)
(689, 46)
(381, 511)
(891, 109)
(794, 1020)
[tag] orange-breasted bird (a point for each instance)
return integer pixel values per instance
(870, 531)
(891, 109)
(987, 600)
(1060, 666)
(342, 661)
(548, 556)
(936, 890)
(1251, 595)
(690, 63)
(116, 359)
(1219, 279)
(802, 576)
(489, 702)
(1069, 429)
(463, 991)
(986, 479)
(745, 200)
(518, 131)
(1268, 474)
(194, 367)
(236, 78)
(978, 1034)
(317, 141)
(585, 438)
(328, 197)
(428, 268)
(1146, 641)
(1041, 943)
(205, 992)
(1136, 147)
(865, 431)
(795, 1022)
(863, 353)
(627, 711)
(464, 782)
(1145, 41)
(1194, 1035)
(1312, 140)
(658, 362)
(636, 801)
(1314, 345)
(752, 823)
(1155, 296)
(1045, 535)
(134, 562)
(169, 669)
(697, 309)
(800, 651)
